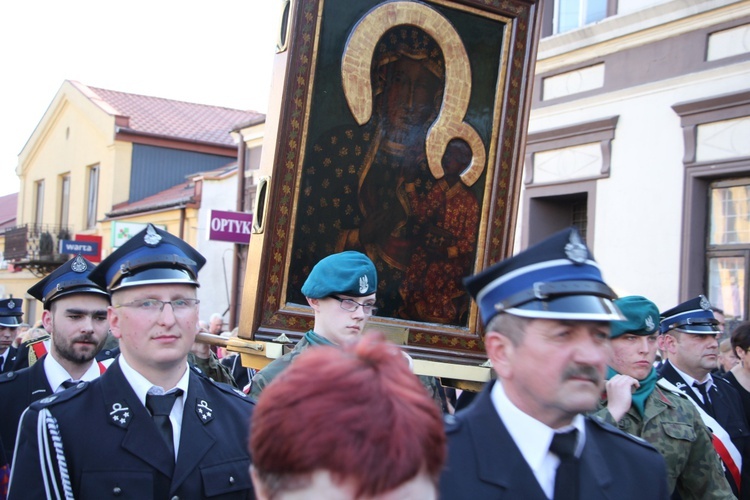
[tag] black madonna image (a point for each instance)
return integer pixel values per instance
(398, 140)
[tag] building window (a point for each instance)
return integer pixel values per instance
(561, 171)
(729, 247)
(39, 202)
(64, 199)
(572, 14)
(554, 208)
(716, 223)
(567, 15)
(93, 196)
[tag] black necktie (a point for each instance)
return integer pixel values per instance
(69, 383)
(707, 405)
(160, 408)
(566, 478)
(2, 359)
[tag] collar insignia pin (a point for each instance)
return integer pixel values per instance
(204, 411)
(120, 414)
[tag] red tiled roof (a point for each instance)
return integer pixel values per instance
(181, 194)
(8, 210)
(169, 118)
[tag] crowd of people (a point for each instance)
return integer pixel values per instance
(593, 396)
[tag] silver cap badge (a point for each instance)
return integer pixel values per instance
(79, 265)
(152, 238)
(575, 249)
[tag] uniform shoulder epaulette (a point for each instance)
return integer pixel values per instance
(222, 386)
(452, 423)
(60, 396)
(617, 432)
(8, 376)
(36, 340)
(718, 380)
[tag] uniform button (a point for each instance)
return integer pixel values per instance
(175, 497)
(231, 479)
(117, 491)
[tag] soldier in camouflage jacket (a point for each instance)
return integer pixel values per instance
(672, 425)
(638, 403)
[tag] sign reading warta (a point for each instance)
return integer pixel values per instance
(234, 227)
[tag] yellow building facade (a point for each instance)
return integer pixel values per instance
(94, 159)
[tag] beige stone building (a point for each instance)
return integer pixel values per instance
(639, 134)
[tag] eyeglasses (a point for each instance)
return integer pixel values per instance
(151, 306)
(352, 305)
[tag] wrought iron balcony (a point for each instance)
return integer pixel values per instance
(35, 247)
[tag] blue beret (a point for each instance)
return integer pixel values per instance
(11, 311)
(554, 279)
(151, 257)
(692, 316)
(71, 277)
(348, 273)
(642, 317)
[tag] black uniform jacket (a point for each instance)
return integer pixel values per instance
(10, 361)
(485, 463)
(728, 412)
(18, 389)
(113, 448)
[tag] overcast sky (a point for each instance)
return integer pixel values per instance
(206, 51)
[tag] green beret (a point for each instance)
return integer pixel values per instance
(346, 273)
(642, 317)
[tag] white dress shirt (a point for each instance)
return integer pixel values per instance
(56, 374)
(533, 438)
(141, 386)
(690, 381)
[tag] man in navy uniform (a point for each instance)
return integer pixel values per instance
(690, 330)
(547, 312)
(75, 313)
(150, 427)
(10, 318)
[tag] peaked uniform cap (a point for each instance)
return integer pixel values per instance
(71, 277)
(348, 273)
(692, 316)
(641, 317)
(557, 278)
(11, 312)
(151, 257)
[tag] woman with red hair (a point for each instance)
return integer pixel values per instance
(364, 429)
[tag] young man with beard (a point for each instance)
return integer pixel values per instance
(641, 404)
(75, 314)
(547, 313)
(690, 330)
(150, 426)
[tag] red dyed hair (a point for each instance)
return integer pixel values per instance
(355, 411)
